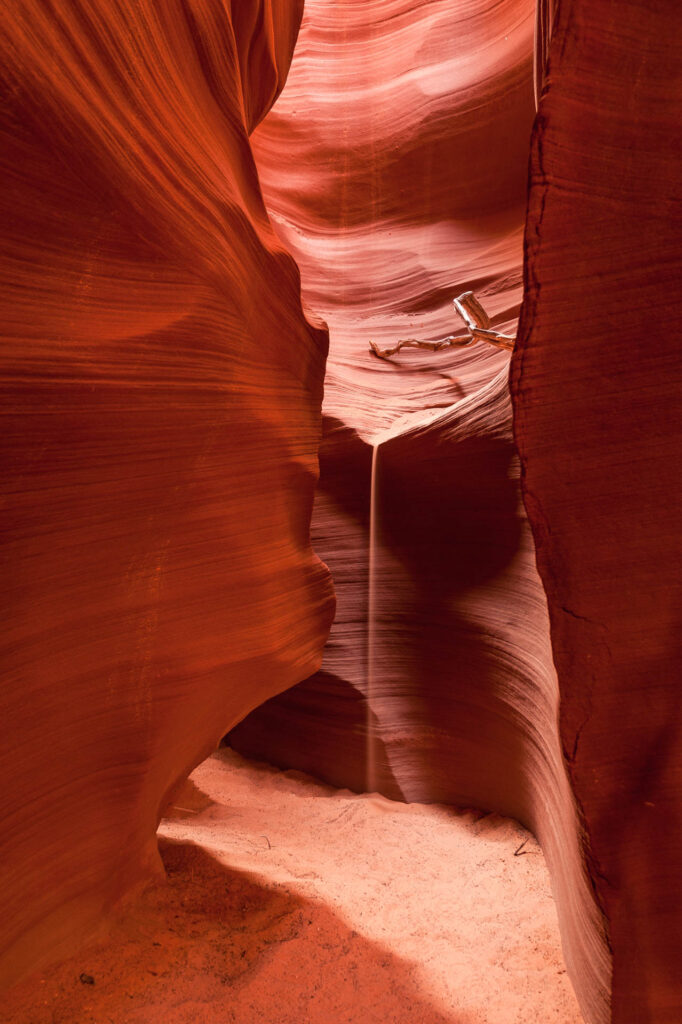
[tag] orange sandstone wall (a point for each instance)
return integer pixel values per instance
(161, 398)
(597, 387)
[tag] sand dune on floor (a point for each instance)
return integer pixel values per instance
(291, 902)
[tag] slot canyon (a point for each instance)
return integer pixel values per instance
(339, 685)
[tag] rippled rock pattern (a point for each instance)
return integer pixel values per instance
(161, 398)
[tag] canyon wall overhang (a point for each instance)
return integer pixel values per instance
(161, 395)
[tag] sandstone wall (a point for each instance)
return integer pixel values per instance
(161, 398)
(597, 382)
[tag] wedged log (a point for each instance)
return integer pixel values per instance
(597, 381)
(161, 395)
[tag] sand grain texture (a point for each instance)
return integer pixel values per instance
(293, 903)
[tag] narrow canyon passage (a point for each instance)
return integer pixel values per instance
(406, 131)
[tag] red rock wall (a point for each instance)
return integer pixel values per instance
(161, 398)
(597, 382)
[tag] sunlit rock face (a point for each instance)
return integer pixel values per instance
(161, 395)
(597, 380)
(394, 166)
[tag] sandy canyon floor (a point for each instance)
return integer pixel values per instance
(288, 902)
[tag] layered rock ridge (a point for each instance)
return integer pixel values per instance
(161, 395)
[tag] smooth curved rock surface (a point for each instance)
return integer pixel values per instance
(159, 443)
(394, 167)
(597, 383)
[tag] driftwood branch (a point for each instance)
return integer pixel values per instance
(478, 325)
(451, 341)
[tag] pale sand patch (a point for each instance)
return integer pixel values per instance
(289, 902)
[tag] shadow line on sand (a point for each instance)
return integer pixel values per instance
(213, 945)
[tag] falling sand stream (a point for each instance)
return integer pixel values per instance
(371, 739)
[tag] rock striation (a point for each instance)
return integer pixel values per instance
(597, 381)
(159, 442)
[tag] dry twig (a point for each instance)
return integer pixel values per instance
(478, 325)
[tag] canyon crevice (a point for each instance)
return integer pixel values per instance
(437, 683)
